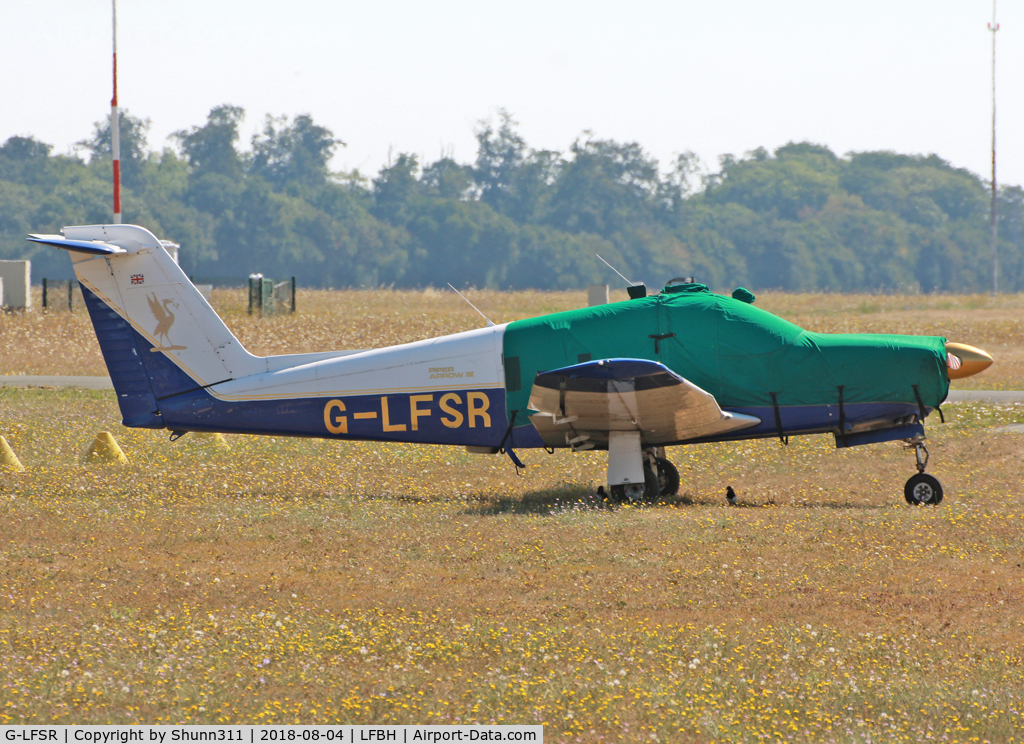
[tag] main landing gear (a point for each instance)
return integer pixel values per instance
(638, 475)
(668, 476)
(922, 488)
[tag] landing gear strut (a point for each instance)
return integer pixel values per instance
(922, 488)
(655, 477)
(628, 478)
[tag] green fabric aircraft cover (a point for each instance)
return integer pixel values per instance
(733, 350)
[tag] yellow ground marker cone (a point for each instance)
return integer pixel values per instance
(7, 457)
(104, 448)
(216, 437)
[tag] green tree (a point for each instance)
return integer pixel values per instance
(922, 189)
(132, 145)
(447, 179)
(359, 249)
(1011, 237)
(512, 178)
(499, 155)
(798, 179)
(25, 160)
(605, 187)
(296, 153)
(798, 218)
(551, 259)
(395, 188)
(211, 147)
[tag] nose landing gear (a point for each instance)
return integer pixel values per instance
(922, 488)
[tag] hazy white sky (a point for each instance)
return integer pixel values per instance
(712, 77)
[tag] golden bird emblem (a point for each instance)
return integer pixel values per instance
(161, 310)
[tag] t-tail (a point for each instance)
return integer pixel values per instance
(140, 302)
(174, 363)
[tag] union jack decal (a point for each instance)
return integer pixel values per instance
(138, 279)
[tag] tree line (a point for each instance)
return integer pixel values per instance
(800, 218)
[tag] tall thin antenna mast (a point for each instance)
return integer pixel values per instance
(489, 321)
(993, 213)
(115, 131)
(631, 282)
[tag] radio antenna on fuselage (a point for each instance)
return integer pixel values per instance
(489, 321)
(631, 283)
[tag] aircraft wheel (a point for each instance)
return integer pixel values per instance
(668, 478)
(652, 486)
(923, 489)
(631, 493)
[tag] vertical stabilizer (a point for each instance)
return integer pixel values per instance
(154, 327)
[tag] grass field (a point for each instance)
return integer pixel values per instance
(304, 581)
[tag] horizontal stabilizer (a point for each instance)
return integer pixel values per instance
(596, 397)
(79, 246)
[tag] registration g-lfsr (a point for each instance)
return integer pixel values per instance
(632, 377)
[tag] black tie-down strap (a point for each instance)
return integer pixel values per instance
(658, 338)
(920, 406)
(842, 413)
(778, 419)
(508, 450)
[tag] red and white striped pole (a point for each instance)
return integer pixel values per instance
(115, 132)
(993, 213)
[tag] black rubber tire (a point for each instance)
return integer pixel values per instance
(923, 489)
(668, 477)
(652, 486)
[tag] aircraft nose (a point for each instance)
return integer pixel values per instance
(963, 360)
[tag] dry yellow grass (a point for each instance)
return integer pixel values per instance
(305, 581)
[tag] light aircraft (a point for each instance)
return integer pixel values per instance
(680, 367)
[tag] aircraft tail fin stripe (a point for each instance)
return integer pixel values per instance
(121, 353)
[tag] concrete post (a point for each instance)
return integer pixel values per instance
(597, 294)
(17, 278)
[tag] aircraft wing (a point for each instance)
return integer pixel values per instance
(586, 401)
